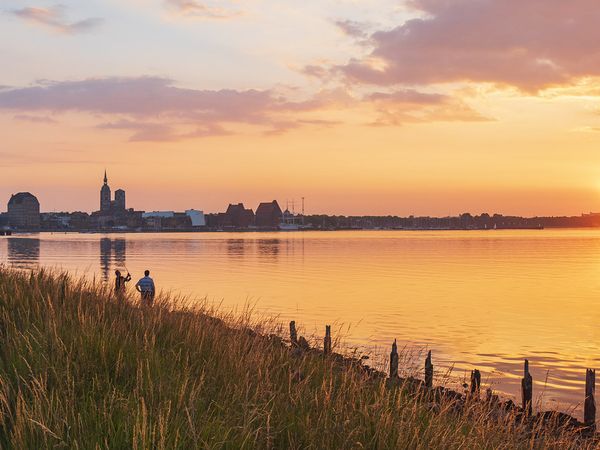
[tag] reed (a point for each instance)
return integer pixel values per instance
(80, 368)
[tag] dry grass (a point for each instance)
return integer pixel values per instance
(81, 369)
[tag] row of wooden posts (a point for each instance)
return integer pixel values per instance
(589, 407)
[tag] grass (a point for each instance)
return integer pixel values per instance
(82, 369)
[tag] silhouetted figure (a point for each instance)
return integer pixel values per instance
(146, 287)
(120, 281)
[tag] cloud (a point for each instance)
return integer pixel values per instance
(155, 109)
(161, 132)
(530, 45)
(35, 119)
(586, 129)
(409, 106)
(142, 96)
(55, 18)
(318, 71)
(195, 8)
(353, 29)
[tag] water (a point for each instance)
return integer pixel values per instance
(478, 299)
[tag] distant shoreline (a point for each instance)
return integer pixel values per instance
(28, 232)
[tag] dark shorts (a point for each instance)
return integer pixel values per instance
(147, 297)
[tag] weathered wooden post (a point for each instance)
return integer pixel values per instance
(293, 334)
(589, 411)
(327, 340)
(527, 390)
(394, 361)
(475, 382)
(428, 371)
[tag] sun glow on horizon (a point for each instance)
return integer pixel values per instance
(370, 113)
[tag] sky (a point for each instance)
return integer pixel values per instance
(424, 107)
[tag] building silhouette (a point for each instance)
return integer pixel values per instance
(268, 215)
(105, 196)
(24, 212)
(107, 205)
(239, 216)
(119, 203)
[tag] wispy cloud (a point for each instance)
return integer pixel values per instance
(155, 109)
(35, 119)
(404, 106)
(203, 10)
(55, 18)
(163, 132)
(141, 96)
(358, 31)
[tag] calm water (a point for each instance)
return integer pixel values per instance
(479, 299)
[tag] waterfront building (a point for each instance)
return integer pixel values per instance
(239, 216)
(105, 197)
(119, 203)
(169, 220)
(268, 215)
(24, 212)
(113, 214)
(159, 214)
(108, 206)
(218, 221)
(65, 221)
(236, 217)
(197, 217)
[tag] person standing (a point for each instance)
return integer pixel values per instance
(120, 281)
(145, 286)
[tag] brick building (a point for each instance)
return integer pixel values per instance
(268, 215)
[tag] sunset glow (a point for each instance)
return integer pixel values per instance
(425, 107)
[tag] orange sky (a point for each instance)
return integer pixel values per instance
(382, 107)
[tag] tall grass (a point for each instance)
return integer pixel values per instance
(82, 369)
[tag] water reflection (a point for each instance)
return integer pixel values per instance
(112, 252)
(23, 252)
(479, 299)
(236, 248)
(269, 248)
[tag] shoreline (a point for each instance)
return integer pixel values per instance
(245, 231)
(303, 366)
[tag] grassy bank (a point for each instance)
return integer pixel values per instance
(80, 369)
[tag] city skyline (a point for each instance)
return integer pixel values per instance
(382, 108)
(291, 203)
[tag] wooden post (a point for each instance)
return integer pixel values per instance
(428, 371)
(394, 361)
(293, 334)
(527, 390)
(589, 411)
(475, 382)
(327, 340)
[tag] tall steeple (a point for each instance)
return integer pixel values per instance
(105, 196)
